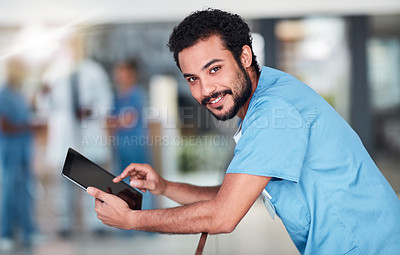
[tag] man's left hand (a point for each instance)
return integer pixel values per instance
(110, 209)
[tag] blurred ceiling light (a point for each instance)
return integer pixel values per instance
(38, 43)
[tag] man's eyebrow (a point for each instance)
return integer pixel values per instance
(211, 62)
(204, 67)
(185, 75)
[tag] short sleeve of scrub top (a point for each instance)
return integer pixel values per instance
(12, 106)
(273, 142)
(4, 101)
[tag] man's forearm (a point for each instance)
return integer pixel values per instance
(189, 219)
(219, 214)
(184, 193)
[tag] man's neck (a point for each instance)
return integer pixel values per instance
(254, 83)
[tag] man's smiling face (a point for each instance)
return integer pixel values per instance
(215, 79)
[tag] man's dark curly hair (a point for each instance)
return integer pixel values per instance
(231, 28)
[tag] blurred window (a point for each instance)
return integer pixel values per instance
(315, 50)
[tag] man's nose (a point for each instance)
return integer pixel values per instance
(208, 88)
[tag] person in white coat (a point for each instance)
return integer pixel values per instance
(79, 98)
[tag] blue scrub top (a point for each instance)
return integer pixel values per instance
(132, 144)
(131, 101)
(15, 109)
(327, 190)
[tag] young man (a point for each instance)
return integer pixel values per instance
(323, 184)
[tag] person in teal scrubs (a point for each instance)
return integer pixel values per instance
(15, 158)
(292, 148)
(131, 132)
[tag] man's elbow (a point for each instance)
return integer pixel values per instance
(222, 218)
(222, 225)
(228, 228)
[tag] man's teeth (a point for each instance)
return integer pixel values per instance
(217, 100)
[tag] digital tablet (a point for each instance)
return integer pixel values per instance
(85, 173)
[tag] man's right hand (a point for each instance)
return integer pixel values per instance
(143, 177)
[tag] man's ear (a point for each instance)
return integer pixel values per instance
(247, 57)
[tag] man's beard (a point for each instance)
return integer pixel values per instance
(242, 94)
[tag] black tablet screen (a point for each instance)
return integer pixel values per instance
(85, 173)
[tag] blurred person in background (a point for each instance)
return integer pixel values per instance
(292, 148)
(16, 126)
(80, 96)
(131, 143)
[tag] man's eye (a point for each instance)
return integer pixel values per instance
(214, 69)
(191, 79)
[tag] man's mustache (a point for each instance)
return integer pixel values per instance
(207, 99)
